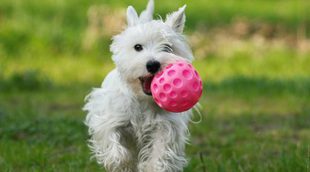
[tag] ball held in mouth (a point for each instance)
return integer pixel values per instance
(177, 88)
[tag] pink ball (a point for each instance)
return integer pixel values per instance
(177, 87)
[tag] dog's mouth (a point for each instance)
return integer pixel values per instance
(146, 83)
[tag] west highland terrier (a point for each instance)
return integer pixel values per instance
(129, 132)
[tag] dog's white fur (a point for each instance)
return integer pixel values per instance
(129, 132)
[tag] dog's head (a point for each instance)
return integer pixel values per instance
(147, 45)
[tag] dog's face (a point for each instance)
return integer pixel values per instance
(147, 45)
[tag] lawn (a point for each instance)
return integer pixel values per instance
(255, 104)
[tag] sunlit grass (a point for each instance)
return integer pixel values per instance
(88, 69)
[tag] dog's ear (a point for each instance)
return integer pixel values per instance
(176, 20)
(147, 14)
(132, 16)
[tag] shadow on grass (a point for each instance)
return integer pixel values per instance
(29, 80)
(243, 86)
(35, 81)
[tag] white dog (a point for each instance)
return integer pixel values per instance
(129, 132)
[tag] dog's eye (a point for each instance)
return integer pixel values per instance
(138, 47)
(167, 48)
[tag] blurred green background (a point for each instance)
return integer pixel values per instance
(253, 55)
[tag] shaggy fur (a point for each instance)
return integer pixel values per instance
(129, 132)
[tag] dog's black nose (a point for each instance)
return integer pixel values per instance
(153, 66)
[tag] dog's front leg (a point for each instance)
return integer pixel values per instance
(165, 151)
(109, 147)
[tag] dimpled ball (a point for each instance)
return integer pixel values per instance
(177, 87)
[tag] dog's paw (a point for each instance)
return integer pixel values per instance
(115, 158)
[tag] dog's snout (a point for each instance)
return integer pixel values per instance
(153, 66)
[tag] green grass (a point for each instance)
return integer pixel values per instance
(250, 122)
(255, 108)
(248, 125)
